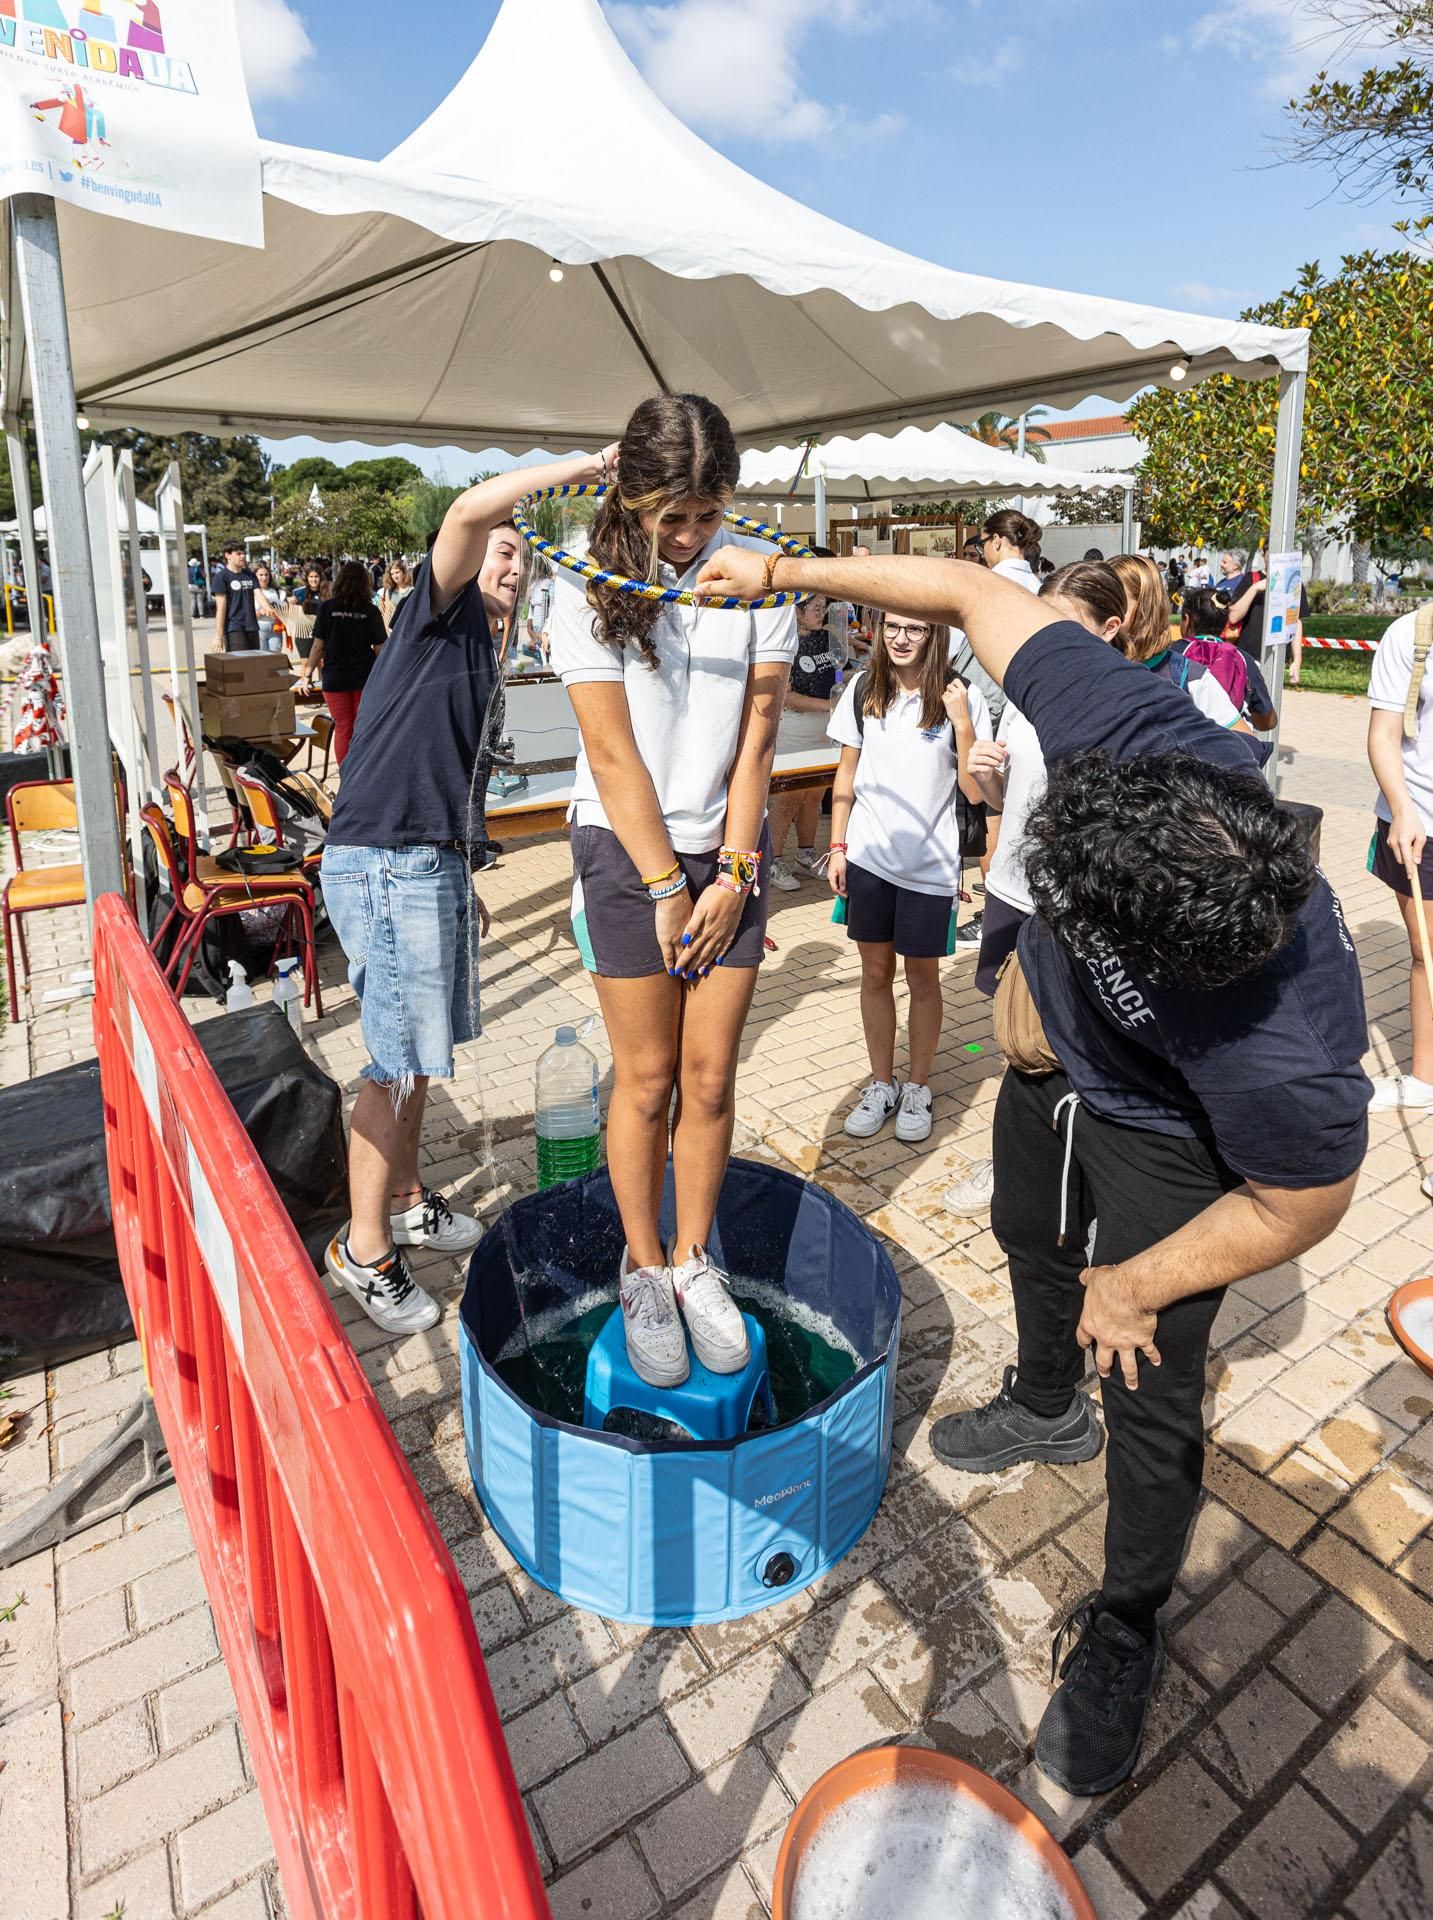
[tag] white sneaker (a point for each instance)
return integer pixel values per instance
(972, 1194)
(656, 1345)
(386, 1291)
(808, 859)
(872, 1110)
(1402, 1091)
(913, 1114)
(719, 1338)
(781, 876)
(431, 1222)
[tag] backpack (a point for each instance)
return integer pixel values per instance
(970, 815)
(1222, 658)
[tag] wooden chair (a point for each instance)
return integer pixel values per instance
(203, 891)
(261, 804)
(36, 806)
(321, 735)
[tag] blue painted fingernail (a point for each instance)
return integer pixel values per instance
(672, 971)
(720, 958)
(705, 972)
(686, 939)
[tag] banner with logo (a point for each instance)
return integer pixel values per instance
(1286, 580)
(131, 107)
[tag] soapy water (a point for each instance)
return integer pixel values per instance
(923, 1852)
(544, 1361)
(1416, 1318)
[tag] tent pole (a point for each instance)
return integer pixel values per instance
(57, 440)
(1283, 516)
(25, 514)
(819, 476)
(1127, 523)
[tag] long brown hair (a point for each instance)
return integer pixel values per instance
(353, 589)
(1018, 528)
(1094, 584)
(676, 446)
(1146, 625)
(881, 686)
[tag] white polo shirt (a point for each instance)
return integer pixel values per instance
(903, 823)
(1388, 685)
(686, 712)
(1024, 786)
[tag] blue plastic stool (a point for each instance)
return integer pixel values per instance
(711, 1406)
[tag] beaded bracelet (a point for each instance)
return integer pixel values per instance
(658, 894)
(739, 869)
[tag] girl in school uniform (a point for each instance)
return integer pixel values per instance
(905, 737)
(678, 709)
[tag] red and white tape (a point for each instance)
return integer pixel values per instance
(1346, 646)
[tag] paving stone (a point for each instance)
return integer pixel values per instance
(1013, 1521)
(1322, 1382)
(599, 1795)
(1114, 1898)
(1160, 1834)
(139, 1890)
(29, 1666)
(34, 1868)
(1402, 1612)
(101, 1623)
(627, 1689)
(1408, 1690)
(1218, 1541)
(249, 1902)
(142, 1665)
(124, 1557)
(853, 1714)
(551, 1657)
(194, 1704)
(1370, 1761)
(928, 1666)
(163, 1799)
(610, 1884)
(1281, 1581)
(1331, 1653)
(1263, 1430)
(712, 1821)
(966, 1728)
(542, 1740)
(728, 1710)
(723, 1641)
(1208, 1903)
(1224, 1636)
(845, 1633)
(112, 1748)
(1354, 1441)
(1283, 1869)
(1259, 1730)
(1255, 1499)
(728, 1897)
(934, 1573)
(223, 1847)
(1399, 1885)
(1385, 1515)
(497, 1616)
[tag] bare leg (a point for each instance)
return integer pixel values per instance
(382, 1165)
(992, 832)
(1418, 988)
(927, 1009)
(808, 818)
(643, 1018)
(780, 814)
(712, 1019)
(878, 1005)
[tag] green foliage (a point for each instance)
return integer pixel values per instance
(424, 506)
(1334, 625)
(1091, 507)
(351, 522)
(315, 469)
(1003, 430)
(225, 480)
(1377, 130)
(389, 474)
(1368, 424)
(1336, 672)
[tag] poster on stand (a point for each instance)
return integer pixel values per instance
(132, 107)
(1286, 582)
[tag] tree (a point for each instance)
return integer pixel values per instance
(1003, 430)
(390, 474)
(425, 504)
(1377, 130)
(1367, 465)
(351, 522)
(314, 470)
(1091, 507)
(225, 480)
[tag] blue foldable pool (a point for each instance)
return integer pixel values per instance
(677, 1531)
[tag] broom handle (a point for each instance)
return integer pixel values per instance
(1413, 875)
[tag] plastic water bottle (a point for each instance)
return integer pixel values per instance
(568, 1112)
(288, 994)
(240, 993)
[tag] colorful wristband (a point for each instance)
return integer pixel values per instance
(660, 879)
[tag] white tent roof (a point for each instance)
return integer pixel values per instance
(409, 299)
(910, 465)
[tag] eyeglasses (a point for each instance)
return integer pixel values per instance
(897, 630)
(986, 538)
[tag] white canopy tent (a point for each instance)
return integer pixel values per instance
(419, 299)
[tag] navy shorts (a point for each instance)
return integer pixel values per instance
(920, 926)
(615, 923)
(999, 930)
(1385, 865)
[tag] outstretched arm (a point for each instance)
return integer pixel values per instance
(998, 617)
(462, 542)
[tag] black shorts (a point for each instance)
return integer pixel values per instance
(999, 930)
(921, 926)
(615, 922)
(1385, 865)
(242, 640)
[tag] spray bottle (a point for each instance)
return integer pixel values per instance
(288, 994)
(240, 993)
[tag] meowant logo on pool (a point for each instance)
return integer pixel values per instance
(770, 1499)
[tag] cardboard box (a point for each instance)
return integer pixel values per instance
(249, 716)
(230, 673)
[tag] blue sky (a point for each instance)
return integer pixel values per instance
(1123, 147)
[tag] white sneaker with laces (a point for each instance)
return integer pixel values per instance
(431, 1222)
(1403, 1092)
(781, 876)
(872, 1110)
(972, 1194)
(386, 1290)
(656, 1345)
(808, 859)
(719, 1338)
(913, 1114)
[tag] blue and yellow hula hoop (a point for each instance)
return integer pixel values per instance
(642, 589)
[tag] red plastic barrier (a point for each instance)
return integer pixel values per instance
(377, 1746)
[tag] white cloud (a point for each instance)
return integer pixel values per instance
(1290, 40)
(276, 49)
(1208, 299)
(734, 66)
(991, 69)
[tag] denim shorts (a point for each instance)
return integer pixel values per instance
(404, 918)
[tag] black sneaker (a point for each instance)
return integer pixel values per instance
(985, 1439)
(967, 934)
(1090, 1734)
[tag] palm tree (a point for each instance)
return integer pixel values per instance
(1003, 430)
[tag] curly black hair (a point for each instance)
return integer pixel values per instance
(1192, 874)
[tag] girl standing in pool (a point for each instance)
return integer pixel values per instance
(678, 709)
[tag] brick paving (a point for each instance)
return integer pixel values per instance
(1287, 1773)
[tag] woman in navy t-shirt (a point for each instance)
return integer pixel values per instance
(347, 634)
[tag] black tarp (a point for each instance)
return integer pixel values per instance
(60, 1289)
